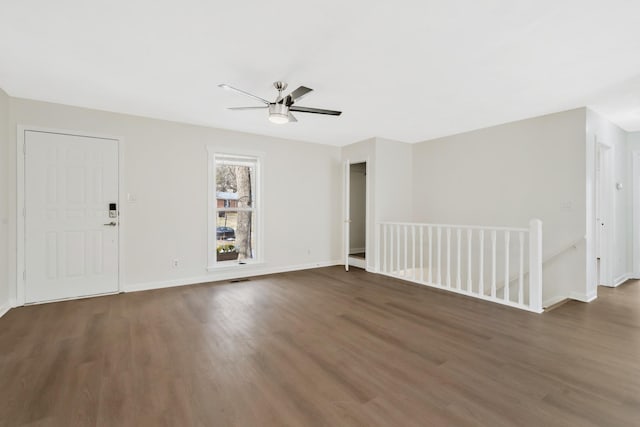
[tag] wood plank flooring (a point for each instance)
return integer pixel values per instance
(319, 348)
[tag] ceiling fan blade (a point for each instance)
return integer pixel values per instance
(226, 86)
(262, 107)
(292, 118)
(314, 110)
(299, 93)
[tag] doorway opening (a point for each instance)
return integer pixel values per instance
(358, 214)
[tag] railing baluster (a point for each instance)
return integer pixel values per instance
(507, 237)
(430, 255)
(391, 246)
(421, 253)
(439, 257)
(449, 281)
(521, 275)
(481, 265)
(493, 263)
(469, 280)
(398, 248)
(406, 252)
(413, 252)
(459, 279)
(385, 249)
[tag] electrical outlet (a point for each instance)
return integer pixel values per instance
(175, 263)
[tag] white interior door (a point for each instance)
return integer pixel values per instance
(604, 218)
(71, 242)
(635, 187)
(598, 201)
(347, 217)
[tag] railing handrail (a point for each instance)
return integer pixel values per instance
(564, 249)
(556, 254)
(466, 227)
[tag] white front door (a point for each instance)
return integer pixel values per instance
(71, 242)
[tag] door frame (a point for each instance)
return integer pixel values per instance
(369, 235)
(20, 204)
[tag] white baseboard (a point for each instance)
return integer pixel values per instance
(579, 296)
(620, 280)
(573, 295)
(227, 275)
(358, 262)
(356, 250)
(553, 300)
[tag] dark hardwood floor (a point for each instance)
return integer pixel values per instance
(319, 348)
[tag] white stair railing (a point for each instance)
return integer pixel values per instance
(471, 260)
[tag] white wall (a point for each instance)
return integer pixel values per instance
(166, 169)
(4, 202)
(506, 175)
(358, 208)
(395, 180)
(600, 130)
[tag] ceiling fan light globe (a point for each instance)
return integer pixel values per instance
(278, 118)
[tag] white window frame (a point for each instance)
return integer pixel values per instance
(212, 209)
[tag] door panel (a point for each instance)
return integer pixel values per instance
(69, 183)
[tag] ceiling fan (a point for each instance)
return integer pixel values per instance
(280, 110)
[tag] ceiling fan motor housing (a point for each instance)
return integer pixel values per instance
(278, 113)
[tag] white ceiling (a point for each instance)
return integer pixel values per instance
(405, 70)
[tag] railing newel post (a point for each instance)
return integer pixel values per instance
(535, 265)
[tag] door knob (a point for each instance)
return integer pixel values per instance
(111, 224)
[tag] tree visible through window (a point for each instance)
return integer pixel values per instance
(235, 208)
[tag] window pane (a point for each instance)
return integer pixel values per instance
(234, 209)
(235, 185)
(235, 235)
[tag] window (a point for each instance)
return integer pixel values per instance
(233, 212)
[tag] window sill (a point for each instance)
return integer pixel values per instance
(232, 265)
